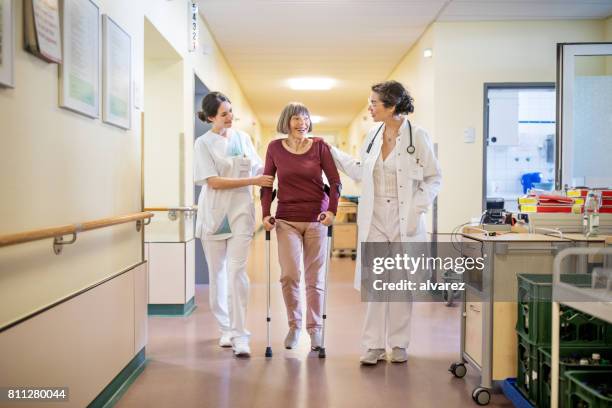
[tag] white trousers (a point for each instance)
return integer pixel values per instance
(386, 323)
(229, 282)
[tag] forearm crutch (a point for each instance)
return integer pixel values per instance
(327, 257)
(268, 318)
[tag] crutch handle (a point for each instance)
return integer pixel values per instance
(271, 221)
(329, 228)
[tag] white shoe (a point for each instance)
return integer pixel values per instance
(241, 347)
(292, 338)
(399, 355)
(315, 340)
(225, 340)
(373, 356)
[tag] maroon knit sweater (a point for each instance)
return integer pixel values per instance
(301, 196)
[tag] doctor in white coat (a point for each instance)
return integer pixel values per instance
(400, 178)
(226, 165)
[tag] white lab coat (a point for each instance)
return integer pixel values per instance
(418, 182)
(231, 156)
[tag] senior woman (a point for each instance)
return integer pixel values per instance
(303, 212)
(400, 178)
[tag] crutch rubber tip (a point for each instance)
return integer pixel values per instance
(268, 351)
(322, 352)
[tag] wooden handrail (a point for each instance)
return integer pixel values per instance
(59, 231)
(192, 208)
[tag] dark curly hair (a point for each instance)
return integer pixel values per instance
(393, 94)
(210, 105)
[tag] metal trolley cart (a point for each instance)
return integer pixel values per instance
(489, 311)
(596, 302)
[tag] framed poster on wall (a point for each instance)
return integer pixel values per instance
(42, 29)
(7, 43)
(116, 74)
(80, 70)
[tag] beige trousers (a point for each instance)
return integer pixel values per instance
(297, 239)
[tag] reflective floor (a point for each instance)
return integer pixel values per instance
(186, 367)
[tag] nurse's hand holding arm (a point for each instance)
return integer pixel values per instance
(223, 183)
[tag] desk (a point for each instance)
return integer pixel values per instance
(488, 324)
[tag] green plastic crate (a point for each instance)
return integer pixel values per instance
(535, 310)
(586, 389)
(544, 371)
(527, 368)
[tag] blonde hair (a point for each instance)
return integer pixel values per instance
(292, 109)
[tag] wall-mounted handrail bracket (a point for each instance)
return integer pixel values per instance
(58, 243)
(172, 215)
(141, 223)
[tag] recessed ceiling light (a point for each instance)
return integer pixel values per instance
(311, 84)
(427, 53)
(315, 118)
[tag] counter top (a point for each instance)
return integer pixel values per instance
(513, 237)
(580, 237)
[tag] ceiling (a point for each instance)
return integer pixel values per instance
(356, 42)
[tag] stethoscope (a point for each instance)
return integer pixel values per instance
(410, 149)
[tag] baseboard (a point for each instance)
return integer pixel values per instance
(172, 310)
(120, 384)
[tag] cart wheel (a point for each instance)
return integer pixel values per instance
(353, 257)
(458, 370)
(481, 396)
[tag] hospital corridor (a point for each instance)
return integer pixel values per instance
(305, 203)
(186, 368)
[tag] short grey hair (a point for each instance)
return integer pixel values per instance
(292, 109)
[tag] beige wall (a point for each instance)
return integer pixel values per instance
(467, 56)
(448, 91)
(59, 167)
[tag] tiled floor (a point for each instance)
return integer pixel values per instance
(186, 368)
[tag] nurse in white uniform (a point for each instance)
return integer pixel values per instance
(226, 165)
(400, 178)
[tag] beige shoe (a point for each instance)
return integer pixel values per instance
(292, 338)
(373, 356)
(316, 340)
(399, 355)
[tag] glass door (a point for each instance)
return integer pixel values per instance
(585, 115)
